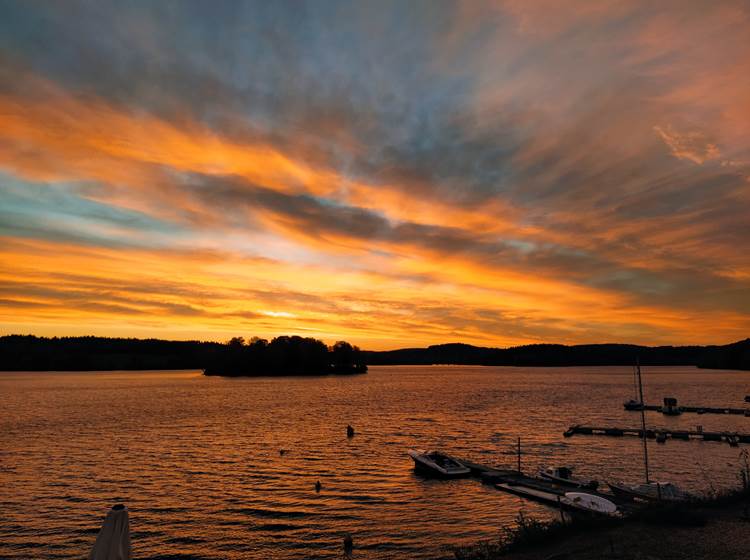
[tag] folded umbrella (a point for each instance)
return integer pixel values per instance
(113, 540)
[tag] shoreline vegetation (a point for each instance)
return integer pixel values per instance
(714, 527)
(282, 356)
(294, 355)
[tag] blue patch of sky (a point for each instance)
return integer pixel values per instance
(49, 211)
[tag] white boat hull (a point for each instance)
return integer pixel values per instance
(572, 501)
(651, 493)
(438, 464)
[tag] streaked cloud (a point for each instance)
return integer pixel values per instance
(500, 172)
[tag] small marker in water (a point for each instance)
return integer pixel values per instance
(318, 486)
(348, 543)
(349, 431)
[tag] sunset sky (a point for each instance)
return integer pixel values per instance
(393, 174)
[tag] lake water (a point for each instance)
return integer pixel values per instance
(197, 460)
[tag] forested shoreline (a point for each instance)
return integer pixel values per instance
(294, 355)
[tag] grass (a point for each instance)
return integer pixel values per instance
(528, 532)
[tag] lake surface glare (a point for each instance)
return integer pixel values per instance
(197, 459)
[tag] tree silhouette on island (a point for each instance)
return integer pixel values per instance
(286, 355)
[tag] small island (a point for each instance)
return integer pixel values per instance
(286, 355)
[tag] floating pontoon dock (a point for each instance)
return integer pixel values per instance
(675, 409)
(732, 438)
(547, 491)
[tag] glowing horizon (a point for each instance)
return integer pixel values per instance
(390, 174)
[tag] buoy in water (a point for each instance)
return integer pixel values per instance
(318, 486)
(282, 451)
(349, 431)
(348, 543)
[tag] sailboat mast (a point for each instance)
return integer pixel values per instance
(643, 419)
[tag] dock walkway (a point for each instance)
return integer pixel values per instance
(732, 438)
(693, 409)
(497, 476)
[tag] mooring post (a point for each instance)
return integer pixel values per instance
(519, 454)
(643, 419)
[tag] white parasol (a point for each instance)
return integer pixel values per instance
(113, 540)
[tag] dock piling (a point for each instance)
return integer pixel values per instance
(518, 455)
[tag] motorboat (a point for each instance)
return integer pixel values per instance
(589, 503)
(652, 491)
(670, 407)
(439, 464)
(564, 475)
(633, 404)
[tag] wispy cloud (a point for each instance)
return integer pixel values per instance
(501, 173)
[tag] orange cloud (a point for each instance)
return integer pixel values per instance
(538, 204)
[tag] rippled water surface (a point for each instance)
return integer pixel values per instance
(198, 461)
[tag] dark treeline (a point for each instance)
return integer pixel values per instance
(284, 355)
(730, 356)
(296, 355)
(92, 353)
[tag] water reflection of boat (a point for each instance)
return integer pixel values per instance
(564, 475)
(438, 464)
(651, 491)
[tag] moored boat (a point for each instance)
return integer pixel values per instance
(632, 404)
(580, 502)
(589, 503)
(439, 464)
(651, 491)
(670, 407)
(564, 475)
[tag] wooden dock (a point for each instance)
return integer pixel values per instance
(694, 410)
(732, 438)
(494, 476)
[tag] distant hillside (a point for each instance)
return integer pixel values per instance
(731, 356)
(32, 353)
